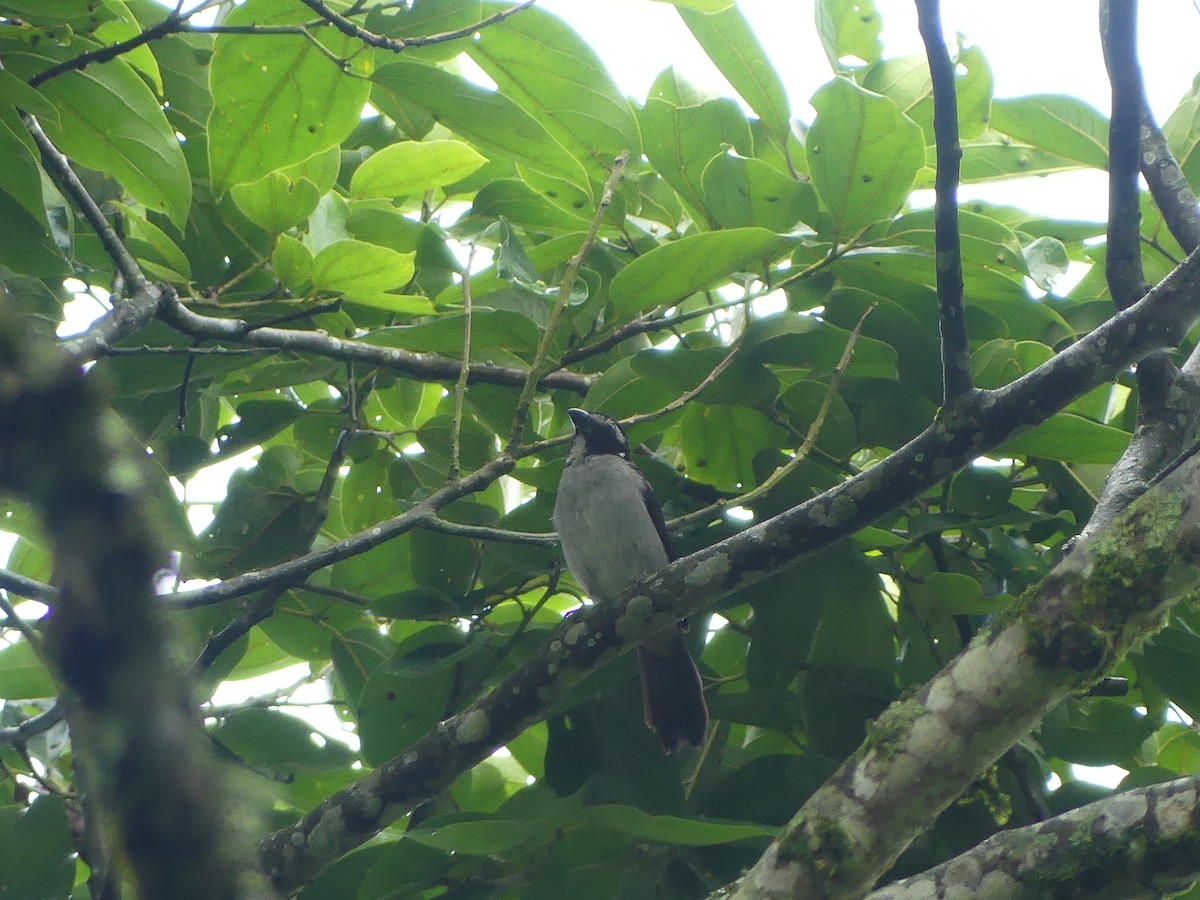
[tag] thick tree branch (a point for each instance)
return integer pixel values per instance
(1168, 401)
(956, 355)
(1170, 189)
(1139, 845)
(1110, 593)
(150, 771)
(349, 817)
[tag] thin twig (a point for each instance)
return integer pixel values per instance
(460, 386)
(564, 294)
(810, 439)
(956, 353)
(689, 395)
(397, 45)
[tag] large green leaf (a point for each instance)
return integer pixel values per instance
(906, 80)
(490, 120)
(541, 64)
(367, 273)
(670, 272)
(686, 832)
(1065, 126)
(22, 675)
(741, 191)
(849, 30)
(37, 854)
(278, 99)
(863, 154)
(110, 120)
(1071, 438)
(286, 197)
(733, 47)
(681, 140)
(414, 167)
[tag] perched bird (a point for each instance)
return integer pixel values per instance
(612, 532)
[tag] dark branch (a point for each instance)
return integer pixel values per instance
(425, 366)
(104, 54)
(1123, 265)
(1168, 402)
(956, 354)
(397, 45)
(296, 570)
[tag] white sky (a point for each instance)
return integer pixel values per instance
(1033, 46)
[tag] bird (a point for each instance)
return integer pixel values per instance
(612, 532)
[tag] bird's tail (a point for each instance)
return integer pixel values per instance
(672, 694)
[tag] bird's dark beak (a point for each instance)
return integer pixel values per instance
(582, 419)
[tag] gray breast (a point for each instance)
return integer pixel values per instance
(607, 536)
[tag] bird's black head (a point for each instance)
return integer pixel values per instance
(596, 433)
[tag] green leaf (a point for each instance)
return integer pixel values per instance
(983, 240)
(741, 191)
(292, 263)
(22, 675)
(906, 80)
(484, 837)
(364, 272)
(491, 121)
(704, 6)
(993, 156)
(280, 741)
(278, 99)
(21, 177)
(1070, 438)
(398, 707)
(720, 443)
(735, 50)
(15, 92)
(670, 272)
(678, 830)
(863, 154)
(681, 140)
(36, 851)
(1047, 259)
(849, 29)
(110, 120)
(287, 197)
(541, 64)
(121, 28)
(413, 167)
(1065, 126)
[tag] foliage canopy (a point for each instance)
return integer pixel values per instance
(758, 297)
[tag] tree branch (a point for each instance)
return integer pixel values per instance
(149, 770)
(397, 45)
(1123, 259)
(1110, 593)
(423, 366)
(956, 354)
(1168, 401)
(1137, 844)
(691, 584)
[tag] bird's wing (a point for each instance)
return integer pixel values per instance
(654, 508)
